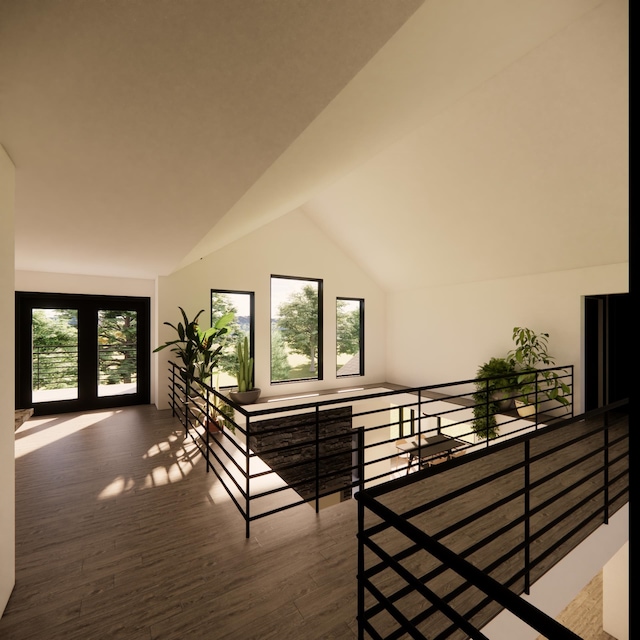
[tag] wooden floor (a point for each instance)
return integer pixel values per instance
(121, 534)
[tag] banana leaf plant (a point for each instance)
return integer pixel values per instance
(196, 349)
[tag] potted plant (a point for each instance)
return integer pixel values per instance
(222, 414)
(495, 382)
(246, 393)
(195, 348)
(498, 376)
(530, 355)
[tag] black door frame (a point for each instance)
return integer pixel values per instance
(88, 306)
(608, 340)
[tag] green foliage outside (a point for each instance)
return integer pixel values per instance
(347, 329)
(117, 340)
(55, 348)
(222, 305)
(280, 369)
(298, 327)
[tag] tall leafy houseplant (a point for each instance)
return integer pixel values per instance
(196, 350)
(495, 381)
(531, 354)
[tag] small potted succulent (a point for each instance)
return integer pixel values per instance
(246, 393)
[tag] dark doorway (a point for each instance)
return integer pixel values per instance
(607, 345)
(81, 352)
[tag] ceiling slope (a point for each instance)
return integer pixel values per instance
(135, 126)
(527, 173)
(427, 138)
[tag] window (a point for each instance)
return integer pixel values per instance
(349, 337)
(296, 329)
(241, 303)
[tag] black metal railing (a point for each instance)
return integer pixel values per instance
(275, 456)
(447, 551)
(117, 363)
(54, 367)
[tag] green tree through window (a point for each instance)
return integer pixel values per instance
(349, 336)
(55, 348)
(117, 346)
(241, 304)
(296, 312)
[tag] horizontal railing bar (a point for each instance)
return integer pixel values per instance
(229, 475)
(525, 611)
(397, 483)
(421, 588)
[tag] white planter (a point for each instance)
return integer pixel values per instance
(525, 410)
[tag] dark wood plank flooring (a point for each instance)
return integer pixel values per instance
(121, 534)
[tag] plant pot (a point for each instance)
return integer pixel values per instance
(503, 399)
(525, 410)
(215, 425)
(245, 397)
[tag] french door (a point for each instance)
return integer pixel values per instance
(80, 352)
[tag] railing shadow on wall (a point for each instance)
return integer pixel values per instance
(270, 457)
(442, 563)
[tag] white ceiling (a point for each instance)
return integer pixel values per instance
(147, 134)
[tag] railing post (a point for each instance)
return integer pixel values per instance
(186, 405)
(317, 487)
(606, 467)
(173, 390)
(527, 520)
(206, 427)
(360, 445)
(360, 575)
(535, 398)
(486, 410)
(572, 392)
(248, 479)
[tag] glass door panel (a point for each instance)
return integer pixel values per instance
(54, 355)
(117, 352)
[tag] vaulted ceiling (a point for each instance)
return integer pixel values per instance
(437, 141)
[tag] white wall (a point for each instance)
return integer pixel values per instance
(443, 334)
(41, 282)
(292, 245)
(615, 597)
(89, 285)
(7, 401)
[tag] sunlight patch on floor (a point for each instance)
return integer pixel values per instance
(184, 461)
(59, 428)
(119, 486)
